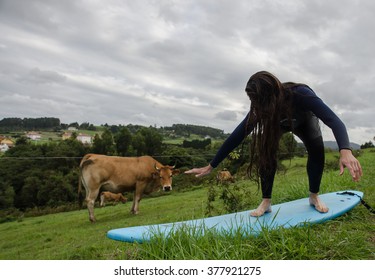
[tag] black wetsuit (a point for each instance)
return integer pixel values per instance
(308, 108)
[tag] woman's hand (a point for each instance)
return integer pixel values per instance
(200, 171)
(349, 161)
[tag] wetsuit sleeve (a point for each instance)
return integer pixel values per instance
(234, 139)
(310, 101)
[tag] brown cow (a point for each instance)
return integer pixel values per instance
(115, 197)
(142, 175)
(224, 176)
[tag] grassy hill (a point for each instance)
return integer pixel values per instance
(70, 235)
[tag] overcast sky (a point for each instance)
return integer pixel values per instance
(164, 62)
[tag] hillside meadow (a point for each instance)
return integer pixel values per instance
(70, 235)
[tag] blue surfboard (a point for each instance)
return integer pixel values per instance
(289, 214)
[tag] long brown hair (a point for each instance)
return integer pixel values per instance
(270, 104)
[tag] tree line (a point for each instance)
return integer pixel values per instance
(44, 123)
(29, 123)
(188, 129)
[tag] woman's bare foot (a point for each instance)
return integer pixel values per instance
(317, 203)
(264, 207)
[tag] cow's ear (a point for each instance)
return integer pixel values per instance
(175, 171)
(155, 175)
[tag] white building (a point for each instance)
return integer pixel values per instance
(84, 138)
(34, 135)
(4, 147)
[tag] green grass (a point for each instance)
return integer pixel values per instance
(70, 235)
(180, 140)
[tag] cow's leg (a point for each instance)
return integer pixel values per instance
(92, 187)
(102, 200)
(133, 206)
(90, 200)
(137, 198)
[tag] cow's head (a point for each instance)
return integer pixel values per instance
(123, 199)
(164, 174)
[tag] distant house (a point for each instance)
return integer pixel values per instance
(7, 142)
(72, 128)
(34, 135)
(81, 137)
(84, 138)
(66, 135)
(4, 147)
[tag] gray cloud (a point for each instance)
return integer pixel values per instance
(164, 62)
(37, 76)
(227, 115)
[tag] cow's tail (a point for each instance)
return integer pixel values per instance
(81, 180)
(80, 195)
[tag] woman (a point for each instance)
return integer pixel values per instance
(277, 108)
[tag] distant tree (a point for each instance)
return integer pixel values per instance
(28, 195)
(11, 123)
(367, 145)
(74, 135)
(104, 144)
(71, 150)
(6, 195)
(97, 145)
(55, 190)
(64, 126)
(287, 146)
(114, 129)
(22, 141)
(123, 139)
(153, 141)
(187, 130)
(74, 124)
(175, 155)
(40, 123)
(108, 142)
(197, 144)
(134, 128)
(91, 127)
(138, 143)
(84, 125)
(30, 123)
(147, 141)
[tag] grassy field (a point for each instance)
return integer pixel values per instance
(180, 140)
(70, 235)
(48, 136)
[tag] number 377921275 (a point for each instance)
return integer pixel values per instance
(234, 270)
